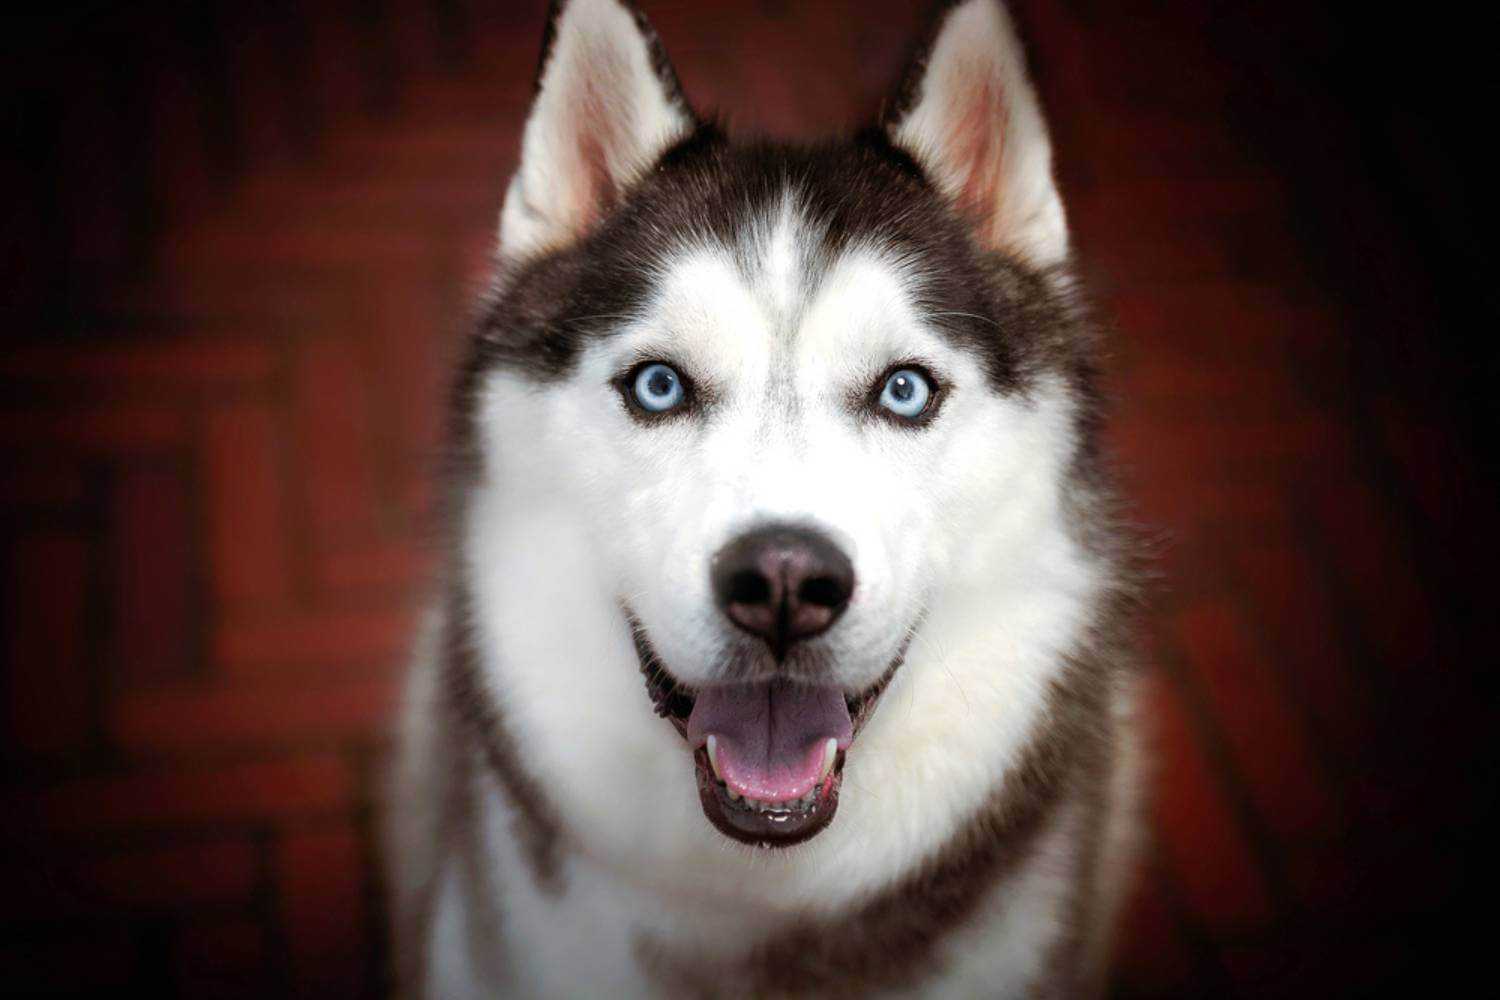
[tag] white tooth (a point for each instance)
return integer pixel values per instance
(830, 751)
(734, 796)
(713, 755)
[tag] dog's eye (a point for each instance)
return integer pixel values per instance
(658, 388)
(906, 393)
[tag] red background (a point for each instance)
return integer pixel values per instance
(238, 248)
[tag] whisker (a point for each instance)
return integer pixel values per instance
(982, 319)
(622, 317)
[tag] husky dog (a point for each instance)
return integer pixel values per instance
(782, 643)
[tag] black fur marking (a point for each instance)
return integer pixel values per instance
(909, 89)
(549, 39)
(1018, 322)
(537, 828)
(670, 699)
(878, 141)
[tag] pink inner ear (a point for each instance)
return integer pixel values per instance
(976, 144)
(601, 127)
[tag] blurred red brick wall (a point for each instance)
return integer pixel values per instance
(242, 248)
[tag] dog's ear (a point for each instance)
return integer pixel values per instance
(966, 111)
(607, 106)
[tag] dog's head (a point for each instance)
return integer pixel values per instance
(740, 416)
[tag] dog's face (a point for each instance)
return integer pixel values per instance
(742, 416)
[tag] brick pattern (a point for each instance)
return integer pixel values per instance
(220, 408)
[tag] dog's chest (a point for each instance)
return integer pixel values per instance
(593, 932)
(586, 931)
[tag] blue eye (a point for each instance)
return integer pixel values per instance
(906, 394)
(658, 388)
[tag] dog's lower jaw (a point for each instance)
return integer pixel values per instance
(772, 826)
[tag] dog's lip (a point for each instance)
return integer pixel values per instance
(777, 827)
(673, 700)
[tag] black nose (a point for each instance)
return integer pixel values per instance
(782, 584)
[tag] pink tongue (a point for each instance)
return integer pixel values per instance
(770, 737)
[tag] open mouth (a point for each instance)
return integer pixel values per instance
(769, 754)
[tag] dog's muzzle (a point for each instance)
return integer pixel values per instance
(770, 749)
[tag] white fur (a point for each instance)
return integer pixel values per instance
(601, 116)
(960, 526)
(978, 128)
(581, 506)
